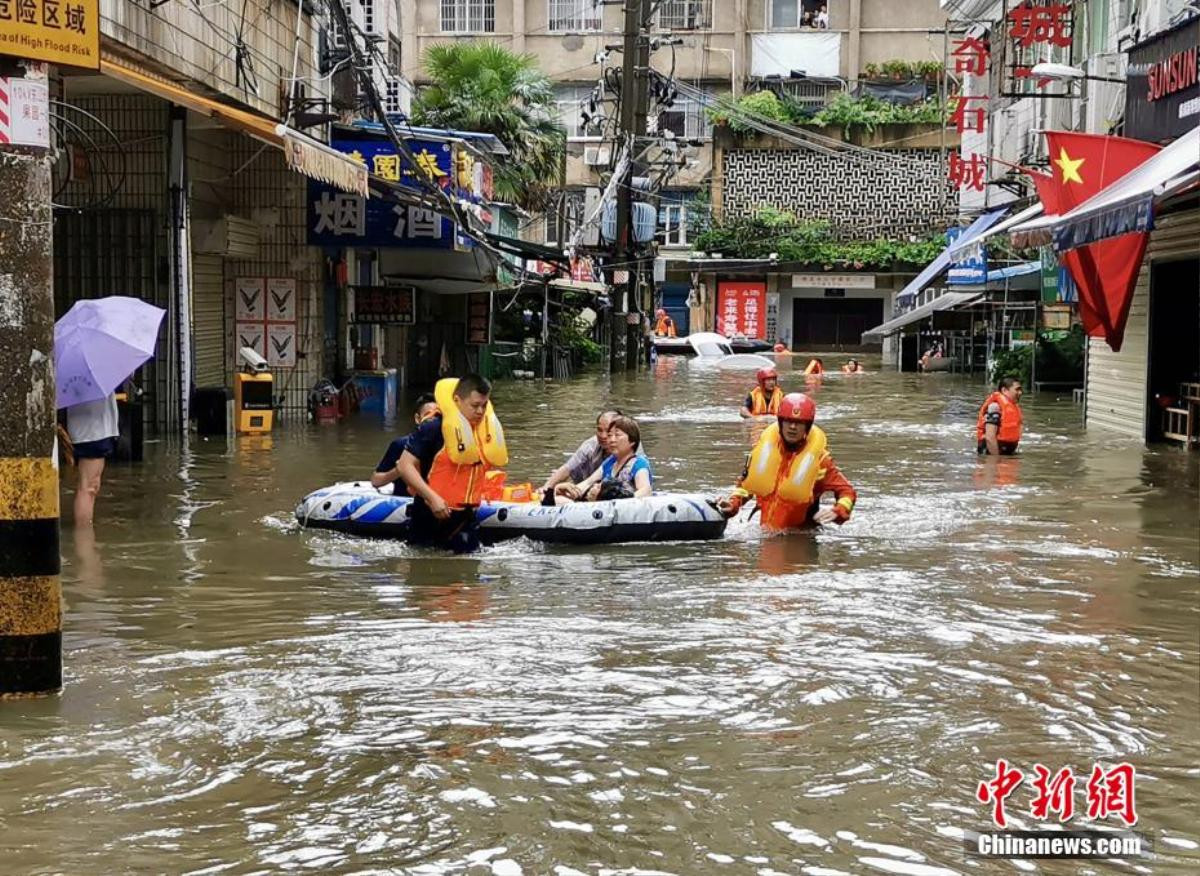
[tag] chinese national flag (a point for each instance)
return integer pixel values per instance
(1105, 271)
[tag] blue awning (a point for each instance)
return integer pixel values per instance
(1014, 271)
(935, 268)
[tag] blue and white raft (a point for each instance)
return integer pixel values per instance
(358, 508)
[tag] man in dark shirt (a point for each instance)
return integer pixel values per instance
(388, 469)
(431, 521)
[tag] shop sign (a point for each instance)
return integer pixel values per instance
(1034, 31)
(833, 281)
(1020, 338)
(63, 32)
(1162, 100)
(337, 218)
(741, 308)
(1049, 274)
(385, 305)
(479, 318)
(970, 269)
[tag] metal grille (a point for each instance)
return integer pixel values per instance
(468, 16)
(685, 118)
(574, 15)
(685, 14)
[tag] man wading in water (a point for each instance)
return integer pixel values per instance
(789, 470)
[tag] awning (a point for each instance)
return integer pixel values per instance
(949, 301)
(1123, 207)
(934, 269)
(1000, 228)
(1020, 270)
(484, 142)
(304, 154)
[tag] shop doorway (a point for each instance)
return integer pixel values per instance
(1174, 339)
(833, 323)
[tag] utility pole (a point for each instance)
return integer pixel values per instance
(30, 589)
(634, 75)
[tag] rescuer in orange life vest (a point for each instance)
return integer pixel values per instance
(998, 429)
(789, 470)
(764, 399)
(665, 327)
(452, 464)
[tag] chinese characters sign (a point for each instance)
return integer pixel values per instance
(59, 31)
(1110, 792)
(741, 309)
(970, 267)
(24, 112)
(479, 318)
(338, 218)
(385, 305)
(1035, 31)
(969, 169)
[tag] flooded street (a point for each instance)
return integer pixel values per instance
(243, 696)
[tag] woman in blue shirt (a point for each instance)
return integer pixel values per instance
(624, 465)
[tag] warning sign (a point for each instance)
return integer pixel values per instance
(59, 31)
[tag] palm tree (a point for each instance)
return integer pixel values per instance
(481, 86)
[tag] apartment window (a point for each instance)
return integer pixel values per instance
(799, 13)
(685, 14)
(468, 16)
(572, 103)
(686, 119)
(574, 15)
(673, 218)
(369, 16)
(564, 218)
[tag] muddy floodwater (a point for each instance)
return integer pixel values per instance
(243, 696)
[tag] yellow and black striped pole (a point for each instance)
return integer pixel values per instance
(30, 590)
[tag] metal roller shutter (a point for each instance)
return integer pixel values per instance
(1116, 382)
(208, 320)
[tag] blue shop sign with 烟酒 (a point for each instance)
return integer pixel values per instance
(337, 218)
(970, 268)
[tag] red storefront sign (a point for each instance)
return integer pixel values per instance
(741, 309)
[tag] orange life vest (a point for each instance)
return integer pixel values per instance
(1010, 419)
(759, 404)
(783, 480)
(665, 328)
(459, 485)
(813, 367)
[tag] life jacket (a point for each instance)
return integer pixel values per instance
(665, 328)
(462, 471)
(1010, 419)
(813, 367)
(759, 404)
(766, 472)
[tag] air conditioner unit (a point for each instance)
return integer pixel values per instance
(1105, 100)
(597, 156)
(229, 236)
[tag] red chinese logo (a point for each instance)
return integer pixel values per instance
(1109, 792)
(1054, 794)
(997, 790)
(1030, 25)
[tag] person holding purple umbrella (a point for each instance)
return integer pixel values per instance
(93, 429)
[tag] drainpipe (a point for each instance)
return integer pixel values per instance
(181, 266)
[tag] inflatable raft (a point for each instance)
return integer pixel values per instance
(359, 509)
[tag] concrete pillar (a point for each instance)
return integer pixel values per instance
(518, 19)
(854, 42)
(30, 590)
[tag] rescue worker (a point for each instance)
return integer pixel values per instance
(388, 469)
(998, 429)
(453, 463)
(814, 366)
(763, 399)
(853, 367)
(789, 470)
(665, 326)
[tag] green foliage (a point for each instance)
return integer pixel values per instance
(572, 333)
(844, 111)
(848, 112)
(481, 86)
(1058, 361)
(903, 71)
(772, 230)
(1014, 362)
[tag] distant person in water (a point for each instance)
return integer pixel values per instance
(853, 367)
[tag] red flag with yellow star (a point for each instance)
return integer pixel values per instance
(1105, 271)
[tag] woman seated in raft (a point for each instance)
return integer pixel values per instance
(623, 466)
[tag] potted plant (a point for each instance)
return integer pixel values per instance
(870, 72)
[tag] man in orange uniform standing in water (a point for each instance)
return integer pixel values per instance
(998, 428)
(789, 470)
(765, 398)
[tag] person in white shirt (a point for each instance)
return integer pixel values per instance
(93, 429)
(823, 18)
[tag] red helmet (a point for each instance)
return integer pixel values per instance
(797, 406)
(765, 374)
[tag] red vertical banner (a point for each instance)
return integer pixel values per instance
(741, 309)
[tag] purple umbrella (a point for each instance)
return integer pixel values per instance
(100, 342)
